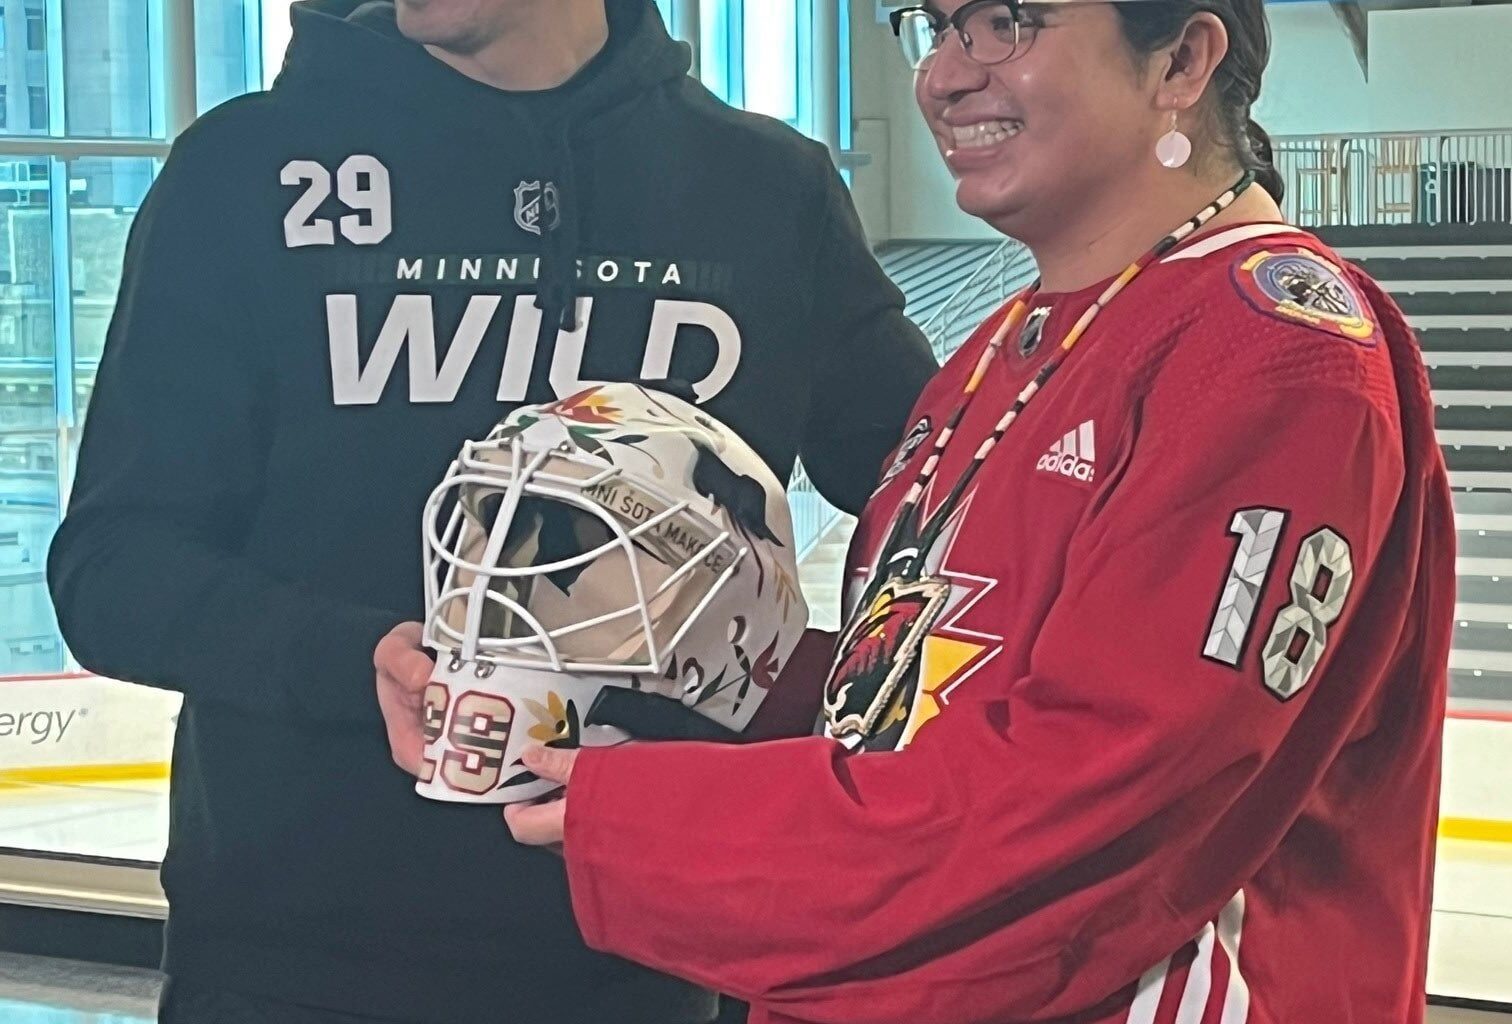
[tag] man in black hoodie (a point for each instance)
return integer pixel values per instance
(330, 286)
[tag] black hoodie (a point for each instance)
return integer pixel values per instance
(330, 286)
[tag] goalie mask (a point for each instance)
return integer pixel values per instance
(599, 567)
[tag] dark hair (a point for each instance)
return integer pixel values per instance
(1151, 24)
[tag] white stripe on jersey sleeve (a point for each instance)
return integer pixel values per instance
(1199, 984)
(1151, 988)
(1236, 1002)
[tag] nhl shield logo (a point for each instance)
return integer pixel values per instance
(537, 204)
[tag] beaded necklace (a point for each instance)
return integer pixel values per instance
(881, 640)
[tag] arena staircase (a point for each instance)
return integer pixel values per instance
(1454, 282)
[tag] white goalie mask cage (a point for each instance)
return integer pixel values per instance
(617, 538)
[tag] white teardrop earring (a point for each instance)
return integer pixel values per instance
(1174, 149)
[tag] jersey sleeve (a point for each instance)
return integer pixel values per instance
(1224, 620)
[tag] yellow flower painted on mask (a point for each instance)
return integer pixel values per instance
(556, 720)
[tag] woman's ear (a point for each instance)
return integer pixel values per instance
(1192, 60)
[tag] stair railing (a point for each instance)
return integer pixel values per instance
(1008, 267)
(1366, 180)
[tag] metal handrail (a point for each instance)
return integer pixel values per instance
(813, 517)
(1449, 133)
(77, 148)
(1007, 267)
(1394, 178)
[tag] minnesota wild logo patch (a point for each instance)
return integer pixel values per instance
(877, 650)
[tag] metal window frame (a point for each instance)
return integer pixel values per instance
(59, 235)
(38, 878)
(252, 33)
(845, 96)
(806, 66)
(722, 63)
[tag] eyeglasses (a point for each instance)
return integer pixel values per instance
(991, 31)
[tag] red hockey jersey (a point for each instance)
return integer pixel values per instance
(1170, 752)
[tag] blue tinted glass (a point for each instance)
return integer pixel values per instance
(226, 50)
(108, 68)
(28, 421)
(23, 72)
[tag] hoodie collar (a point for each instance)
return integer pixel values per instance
(335, 54)
(333, 49)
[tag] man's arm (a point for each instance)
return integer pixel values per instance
(874, 361)
(146, 571)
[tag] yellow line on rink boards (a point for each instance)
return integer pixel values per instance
(1475, 829)
(84, 774)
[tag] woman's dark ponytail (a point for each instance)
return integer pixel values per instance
(1263, 160)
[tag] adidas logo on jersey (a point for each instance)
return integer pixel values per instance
(1073, 456)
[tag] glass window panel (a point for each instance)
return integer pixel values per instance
(107, 68)
(227, 56)
(104, 196)
(771, 58)
(847, 126)
(23, 67)
(29, 641)
(276, 31)
(28, 423)
(715, 68)
(26, 293)
(36, 107)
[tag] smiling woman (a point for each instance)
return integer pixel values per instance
(1030, 133)
(883, 874)
(1141, 688)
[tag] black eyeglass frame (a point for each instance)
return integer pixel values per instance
(957, 21)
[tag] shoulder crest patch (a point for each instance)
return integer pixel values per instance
(1296, 284)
